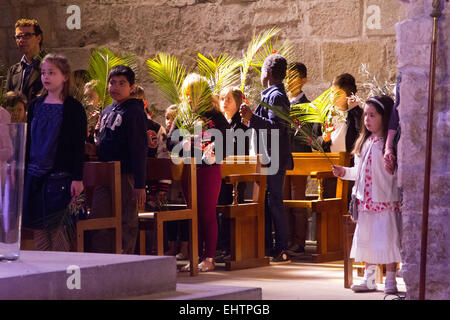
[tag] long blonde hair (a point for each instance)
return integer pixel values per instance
(196, 93)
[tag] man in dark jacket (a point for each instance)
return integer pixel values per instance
(272, 74)
(25, 76)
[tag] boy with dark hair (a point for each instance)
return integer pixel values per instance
(123, 137)
(272, 74)
(295, 186)
(25, 76)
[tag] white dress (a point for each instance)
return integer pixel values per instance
(377, 234)
(339, 121)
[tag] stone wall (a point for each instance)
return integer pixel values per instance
(329, 36)
(413, 49)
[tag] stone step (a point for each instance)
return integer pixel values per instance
(72, 275)
(186, 291)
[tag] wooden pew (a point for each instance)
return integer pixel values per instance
(158, 169)
(246, 219)
(329, 211)
(102, 174)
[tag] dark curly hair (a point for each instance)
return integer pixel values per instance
(276, 66)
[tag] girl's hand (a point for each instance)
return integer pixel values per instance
(338, 171)
(389, 161)
(76, 188)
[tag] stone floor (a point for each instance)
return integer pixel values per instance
(294, 281)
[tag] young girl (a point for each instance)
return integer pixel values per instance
(55, 148)
(376, 239)
(209, 174)
(346, 115)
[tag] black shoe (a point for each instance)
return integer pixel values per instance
(296, 250)
(282, 258)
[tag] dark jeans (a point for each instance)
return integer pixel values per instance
(274, 214)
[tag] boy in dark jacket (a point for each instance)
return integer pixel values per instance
(272, 74)
(123, 137)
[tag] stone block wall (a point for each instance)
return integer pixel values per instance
(414, 37)
(329, 36)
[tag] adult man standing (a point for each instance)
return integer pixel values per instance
(25, 76)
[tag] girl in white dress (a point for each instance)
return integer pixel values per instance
(377, 236)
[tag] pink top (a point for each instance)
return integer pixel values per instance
(368, 204)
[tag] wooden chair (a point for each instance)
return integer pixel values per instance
(102, 174)
(158, 169)
(329, 211)
(246, 219)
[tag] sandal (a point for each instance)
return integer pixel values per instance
(206, 265)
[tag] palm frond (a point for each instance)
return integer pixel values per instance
(373, 86)
(271, 46)
(317, 111)
(253, 48)
(168, 75)
(101, 62)
(303, 131)
(221, 72)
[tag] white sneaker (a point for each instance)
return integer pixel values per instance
(363, 287)
(390, 287)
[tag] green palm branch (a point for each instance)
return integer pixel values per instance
(316, 111)
(271, 46)
(303, 132)
(101, 62)
(221, 72)
(195, 101)
(168, 75)
(248, 59)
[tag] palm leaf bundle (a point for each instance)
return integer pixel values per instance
(271, 46)
(249, 56)
(303, 132)
(168, 75)
(221, 72)
(374, 87)
(317, 111)
(101, 62)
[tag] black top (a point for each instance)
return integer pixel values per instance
(265, 118)
(123, 137)
(217, 121)
(298, 144)
(236, 124)
(70, 146)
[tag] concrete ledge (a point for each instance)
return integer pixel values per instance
(57, 275)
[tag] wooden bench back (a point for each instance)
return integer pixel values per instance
(307, 162)
(240, 165)
(318, 166)
(103, 174)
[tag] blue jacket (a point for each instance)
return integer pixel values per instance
(123, 137)
(265, 118)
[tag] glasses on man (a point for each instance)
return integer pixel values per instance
(27, 35)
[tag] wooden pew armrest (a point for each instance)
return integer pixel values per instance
(316, 175)
(252, 177)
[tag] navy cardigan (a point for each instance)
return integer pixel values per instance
(70, 150)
